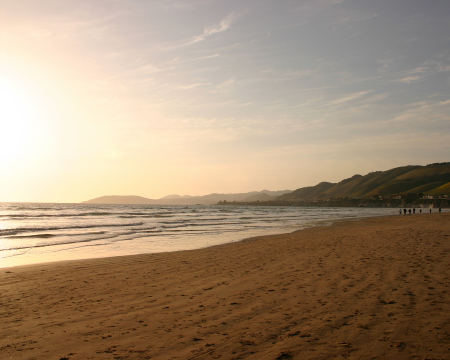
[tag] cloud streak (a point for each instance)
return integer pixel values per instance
(349, 98)
(224, 25)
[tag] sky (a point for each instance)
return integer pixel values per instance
(192, 97)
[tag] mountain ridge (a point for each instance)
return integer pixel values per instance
(432, 179)
(186, 199)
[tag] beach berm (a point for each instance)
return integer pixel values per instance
(371, 289)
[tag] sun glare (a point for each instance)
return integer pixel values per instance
(19, 117)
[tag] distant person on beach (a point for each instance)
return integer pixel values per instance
(414, 210)
(400, 211)
(409, 210)
(420, 211)
(439, 210)
(430, 210)
(404, 211)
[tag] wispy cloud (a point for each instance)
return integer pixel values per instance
(414, 75)
(179, 60)
(356, 16)
(349, 98)
(300, 73)
(426, 113)
(221, 27)
(190, 86)
(146, 69)
(410, 79)
(385, 63)
(417, 74)
(226, 83)
(143, 72)
(224, 25)
(438, 66)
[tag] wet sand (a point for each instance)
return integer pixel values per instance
(370, 289)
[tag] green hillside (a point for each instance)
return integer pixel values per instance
(433, 179)
(444, 189)
(307, 193)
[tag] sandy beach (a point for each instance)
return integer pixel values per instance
(369, 289)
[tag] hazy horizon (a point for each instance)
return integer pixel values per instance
(159, 97)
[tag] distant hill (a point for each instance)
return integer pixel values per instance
(175, 197)
(259, 197)
(433, 179)
(116, 199)
(307, 193)
(186, 200)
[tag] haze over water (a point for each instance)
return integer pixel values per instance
(35, 233)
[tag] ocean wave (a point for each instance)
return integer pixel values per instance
(56, 243)
(192, 224)
(56, 215)
(34, 236)
(218, 224)
(19, 230)
(64, 227)
(54, 235)
(210, 219)
(143, 216)
(174, 226)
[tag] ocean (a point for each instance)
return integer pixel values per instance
(40, 232)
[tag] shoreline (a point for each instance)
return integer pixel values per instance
(372, 288)
(217, 240)
(321, 223)
(252, 238)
